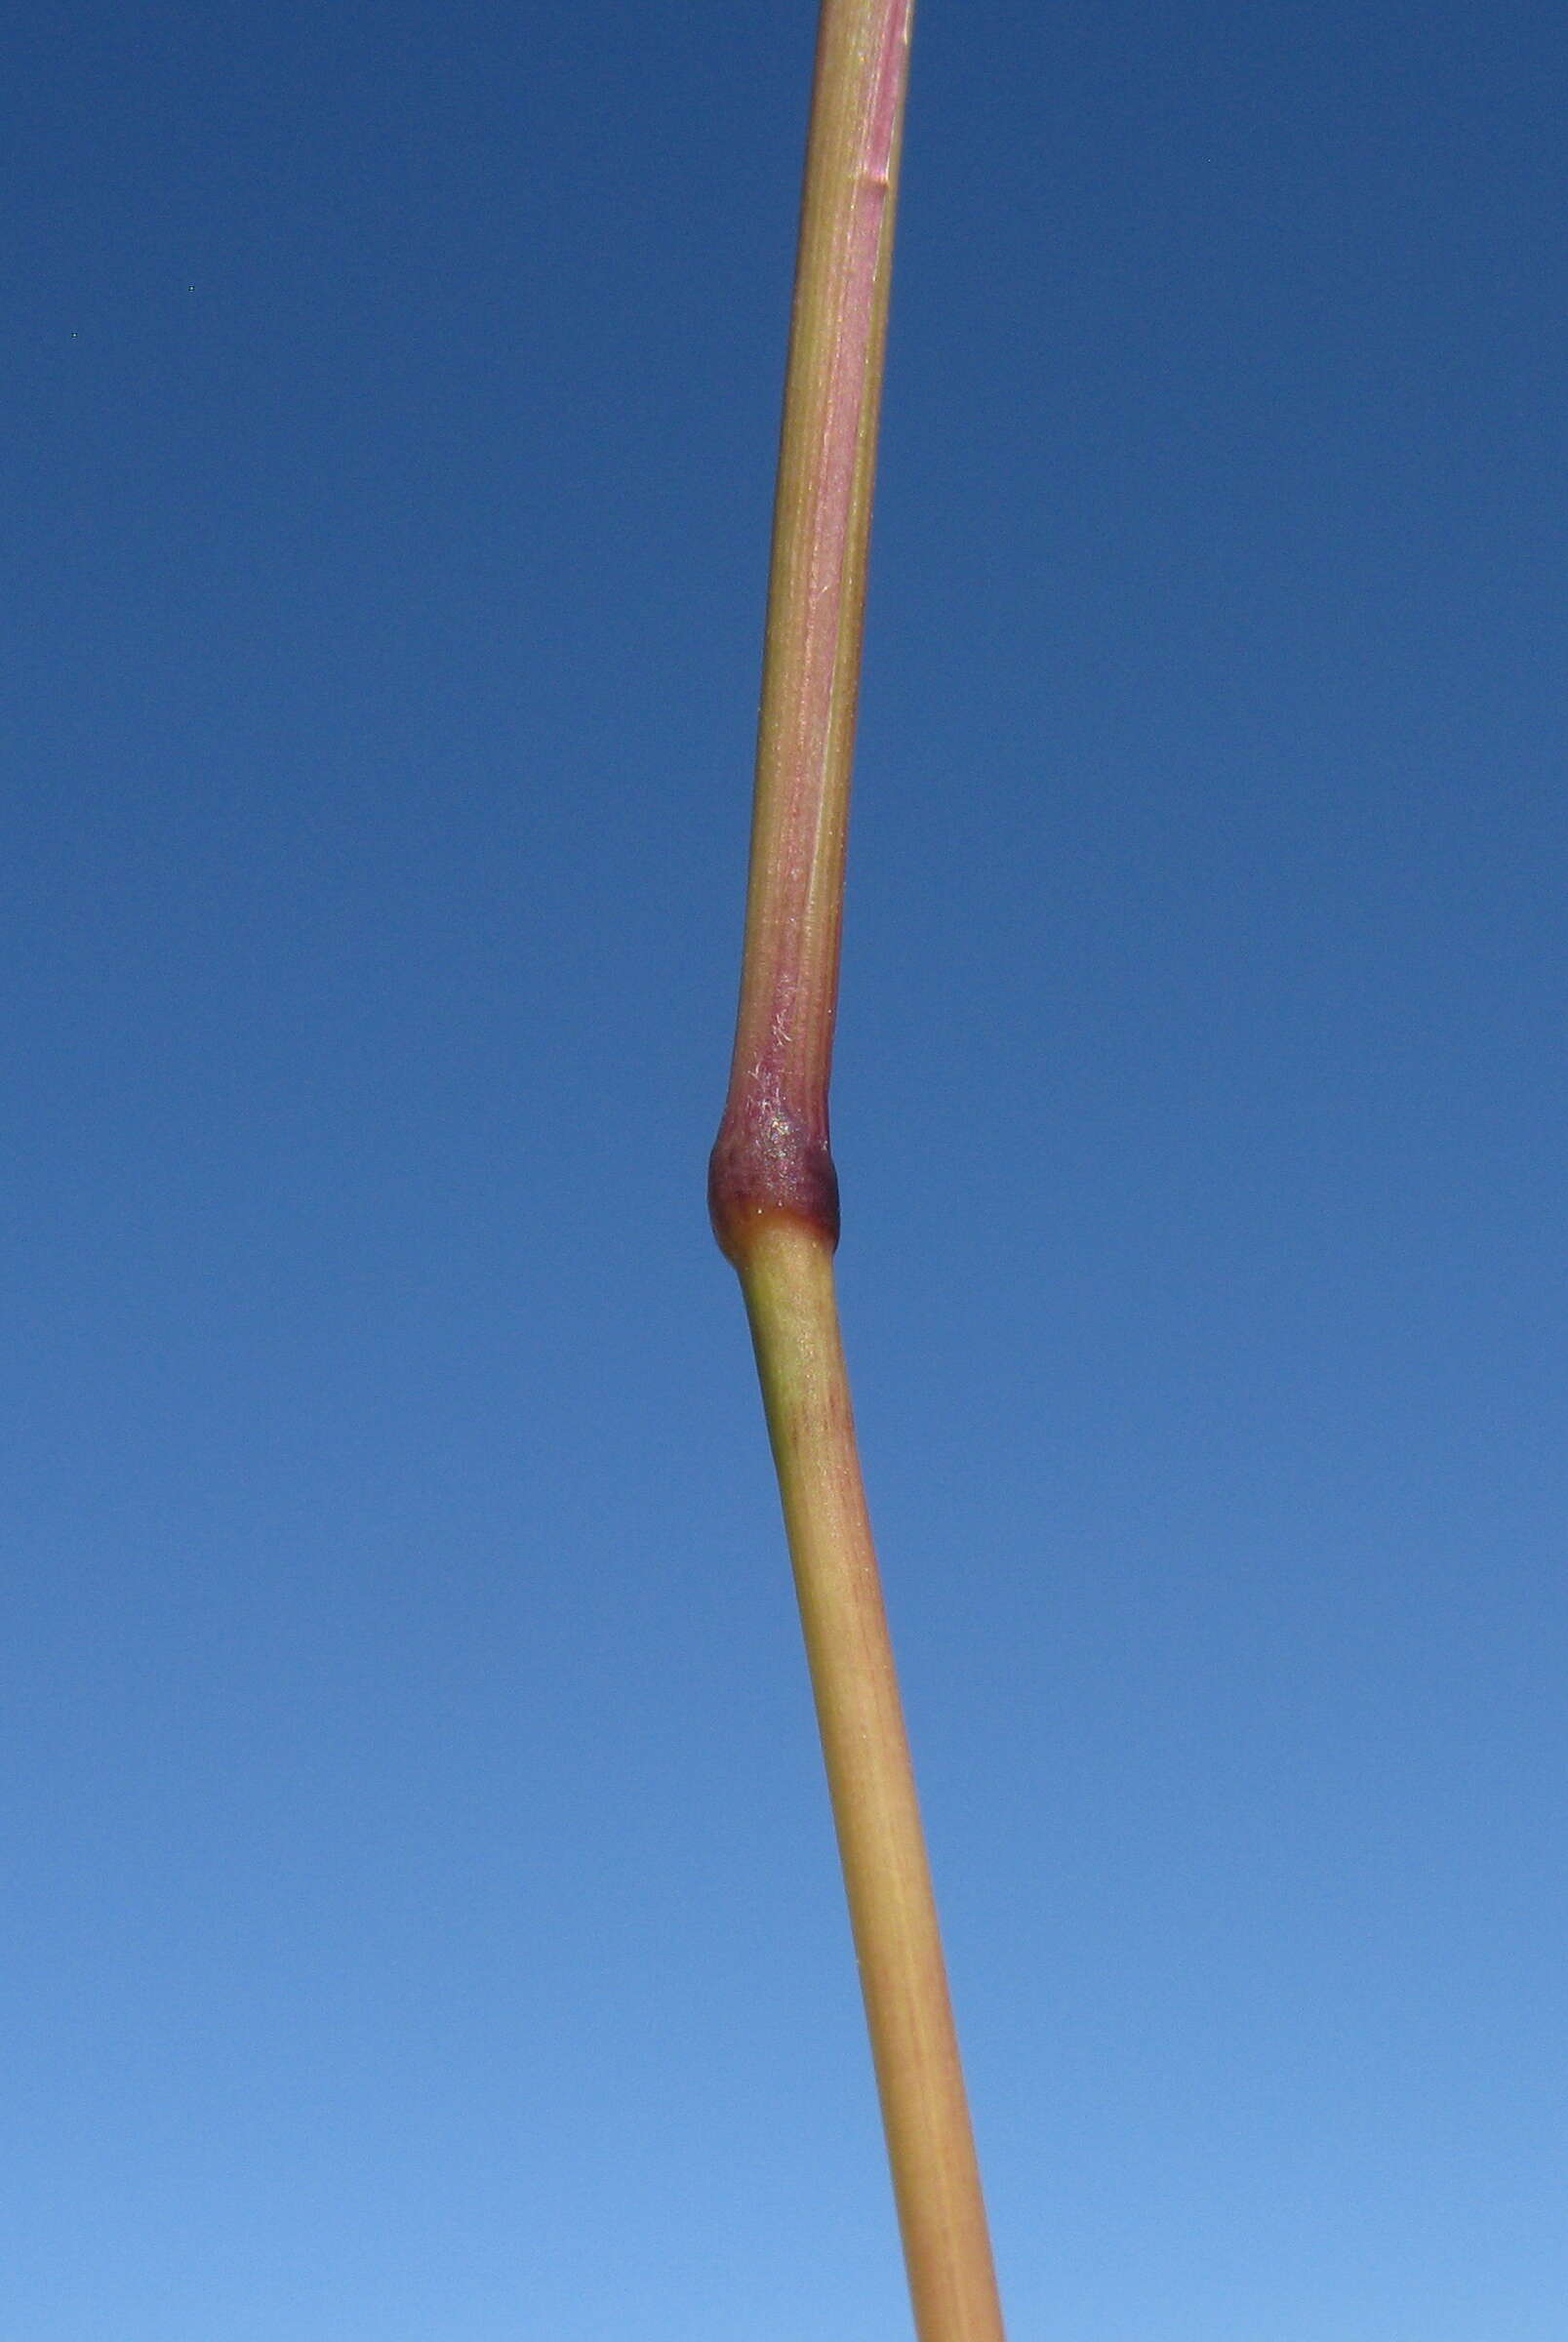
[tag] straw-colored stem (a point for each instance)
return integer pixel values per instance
(788, 1286)
(771, 1185)
(773, 1189)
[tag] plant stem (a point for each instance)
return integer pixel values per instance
(773, 1190)
(788, 1286)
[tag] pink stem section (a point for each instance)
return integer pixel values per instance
(773, 1153)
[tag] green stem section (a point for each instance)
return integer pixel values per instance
(788, 1281)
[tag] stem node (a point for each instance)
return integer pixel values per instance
(769, 1161)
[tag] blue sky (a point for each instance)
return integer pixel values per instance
(420, 1906)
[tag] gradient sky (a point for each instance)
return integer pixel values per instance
(421, 1910)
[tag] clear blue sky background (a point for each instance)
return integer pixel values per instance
(422, 1917)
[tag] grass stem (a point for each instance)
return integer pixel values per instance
(773, 1189)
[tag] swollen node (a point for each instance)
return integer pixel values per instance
(767, 1163)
